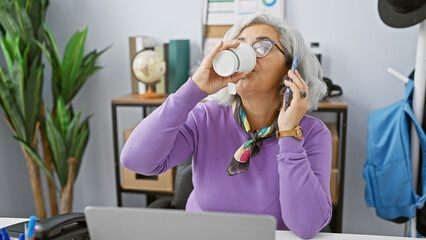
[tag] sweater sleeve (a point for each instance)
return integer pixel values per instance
(304, 169)
(167, 136)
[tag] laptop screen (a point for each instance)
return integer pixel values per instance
(145, 223)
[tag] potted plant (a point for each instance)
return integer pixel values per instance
(24, 39)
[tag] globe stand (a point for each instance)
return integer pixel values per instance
(151, 94)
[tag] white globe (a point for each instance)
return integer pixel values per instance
(148, 66)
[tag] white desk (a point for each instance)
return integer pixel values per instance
(4, 222)
(286, 235)
(280, 235)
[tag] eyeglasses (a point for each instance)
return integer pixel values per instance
(264, 46)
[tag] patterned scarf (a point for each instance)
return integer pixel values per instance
(241, 159)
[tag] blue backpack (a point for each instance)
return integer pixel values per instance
(387, 171)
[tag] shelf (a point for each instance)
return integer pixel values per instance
(334, 102)
(136, 99)
(338, 102)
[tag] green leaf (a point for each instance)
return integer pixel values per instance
(95, 54)
(86, 71)
(18, 86)
(36, 11)
(81, 147)
(72, 60)
(21, 2)
(33, 97)
(62, 118)
(82, 79)
(73, 129)
(3, 76)
(34, 155)
(57, 148)
(50, 42)
(34, 54)
(39, 33)
(25, 61)
(8, 23)
(55, 90)
(24, 23)
(55, 63)
(16, 44)
(7, 96)
(13, 114)
(8, 51)
(28, 6)
(81, 143)
(45, 51)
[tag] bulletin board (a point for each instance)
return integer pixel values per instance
(227, 12)
(220, 15)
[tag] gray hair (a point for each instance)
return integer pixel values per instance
(308, 66)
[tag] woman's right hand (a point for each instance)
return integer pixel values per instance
(207, 79)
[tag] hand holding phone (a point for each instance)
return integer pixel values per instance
(288, 92)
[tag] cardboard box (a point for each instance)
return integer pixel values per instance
(334, 144)
(334, 186)
(134, 181)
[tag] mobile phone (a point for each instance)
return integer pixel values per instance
(288, 92)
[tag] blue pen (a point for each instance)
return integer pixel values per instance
(21, 236)
(31, 226)
(5, 235)
(288, 92)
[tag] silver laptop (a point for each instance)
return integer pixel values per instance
(143, 223)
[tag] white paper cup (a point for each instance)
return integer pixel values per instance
(230, 61)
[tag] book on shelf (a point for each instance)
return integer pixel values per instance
(178, 63)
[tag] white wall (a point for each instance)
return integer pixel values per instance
(357, 48)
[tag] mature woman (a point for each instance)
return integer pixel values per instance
(248, 154)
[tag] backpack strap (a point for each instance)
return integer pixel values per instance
(421, 134)
(409, 88)
(422, 138)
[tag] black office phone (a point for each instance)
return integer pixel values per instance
(69, 226)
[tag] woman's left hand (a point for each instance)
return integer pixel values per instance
(290, 118)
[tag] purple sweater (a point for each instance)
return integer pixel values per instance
(288, 178)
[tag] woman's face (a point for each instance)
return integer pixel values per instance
(269, 71)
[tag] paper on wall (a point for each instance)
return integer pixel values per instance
(227, 12)
(209, 44)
